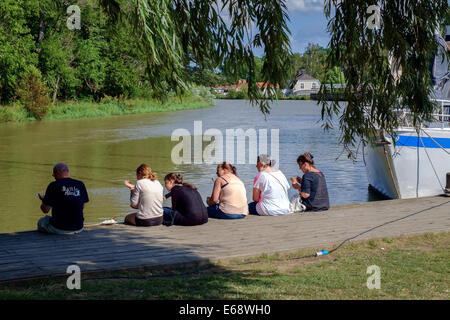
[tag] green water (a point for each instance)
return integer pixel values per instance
(104, 152)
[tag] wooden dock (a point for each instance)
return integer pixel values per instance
(25, 255)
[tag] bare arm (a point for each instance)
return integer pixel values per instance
(256, 194)
(215, 193)
(304, 195)
(129, 185)
(45, 208)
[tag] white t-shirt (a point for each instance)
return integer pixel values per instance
(274, 200)
(148, 196)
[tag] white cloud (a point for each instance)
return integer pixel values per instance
(305, 5)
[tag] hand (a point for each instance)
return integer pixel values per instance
(296, 186)
(299, 180)
(128, 184)
(208, 199)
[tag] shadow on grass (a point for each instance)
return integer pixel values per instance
(116, 263)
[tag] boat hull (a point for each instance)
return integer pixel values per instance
(416, 166)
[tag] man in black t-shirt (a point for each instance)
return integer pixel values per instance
(66, 198)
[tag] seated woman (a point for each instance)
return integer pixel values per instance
(270, 190)
(187, 205)
(147, 197)
(312, 187)
(230, 191)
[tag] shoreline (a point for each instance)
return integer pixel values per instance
(17, 113)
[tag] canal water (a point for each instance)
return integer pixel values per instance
(104, 152)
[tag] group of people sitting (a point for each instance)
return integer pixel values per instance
(228, 200)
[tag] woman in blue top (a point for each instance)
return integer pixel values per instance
(313, 186)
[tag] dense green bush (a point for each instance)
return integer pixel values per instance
(237, 94)
(33, 93)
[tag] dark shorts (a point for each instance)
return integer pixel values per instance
(149, 222)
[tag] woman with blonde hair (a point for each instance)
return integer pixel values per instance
(230, 192)
(147, 197)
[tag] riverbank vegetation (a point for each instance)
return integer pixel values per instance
(411, 267)
(107, 107)
(48, 71)
(196, 98)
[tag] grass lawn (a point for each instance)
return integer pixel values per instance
(413, 267)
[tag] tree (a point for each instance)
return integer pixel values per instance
(33, 93)
(335, 76)
(314, 61)
(364, 52)
(17, 55)
(244, 73)
(169, 31)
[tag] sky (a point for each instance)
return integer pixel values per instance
(307, 24)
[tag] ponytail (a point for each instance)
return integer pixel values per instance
(228, 166)
(189, 185)
(145, 171)
(306, 157)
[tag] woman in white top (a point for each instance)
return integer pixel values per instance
(270, 190)
(147, 197)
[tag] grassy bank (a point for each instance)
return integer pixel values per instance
(108, 107)
(414, 267)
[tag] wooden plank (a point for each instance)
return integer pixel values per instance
(30, 254)
(117, 248)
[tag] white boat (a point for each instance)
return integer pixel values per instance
(416, 165)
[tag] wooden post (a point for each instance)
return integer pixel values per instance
(447, 187)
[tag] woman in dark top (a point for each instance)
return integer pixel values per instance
(187, 204)
(313, 186)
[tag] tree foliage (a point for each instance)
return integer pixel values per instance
(365, 54)
(208, 33)
(95, 61)
(335, 76)
(17, 54)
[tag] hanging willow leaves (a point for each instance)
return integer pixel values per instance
(405, 35)
(208, 33)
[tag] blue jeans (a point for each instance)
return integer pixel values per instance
(169, 216)
(252, 208)
(215, 212)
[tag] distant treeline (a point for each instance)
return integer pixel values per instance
(313, 61)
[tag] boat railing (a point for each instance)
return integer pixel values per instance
(440, 118)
